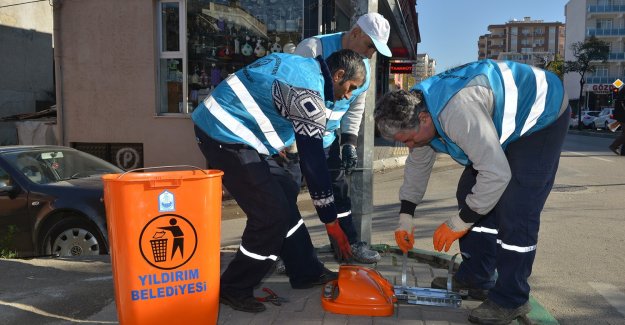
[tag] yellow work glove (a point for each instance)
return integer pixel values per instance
(404, 234)
(448, 232)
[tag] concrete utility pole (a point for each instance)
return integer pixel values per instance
(361, 181)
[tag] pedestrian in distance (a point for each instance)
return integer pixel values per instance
(240, 128)
(619, 115)
(370, 33)
(505, 122)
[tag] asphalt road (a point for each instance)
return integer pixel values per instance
(578, 273)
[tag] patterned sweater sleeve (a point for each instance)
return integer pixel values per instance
(306, 110)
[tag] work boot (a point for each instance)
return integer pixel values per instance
(248, 304)
(362, 254)
(460, 287)
(325, 277)
(491, 313)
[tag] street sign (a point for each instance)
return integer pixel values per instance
(617, 83)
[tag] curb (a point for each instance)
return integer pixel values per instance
(591, 133)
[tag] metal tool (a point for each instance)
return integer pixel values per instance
(427, 296)
(272, 297)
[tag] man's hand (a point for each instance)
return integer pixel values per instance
(349, 158)
(448, 232)
(341, 245)
(404, 234)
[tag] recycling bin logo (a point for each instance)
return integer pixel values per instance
(168, 241)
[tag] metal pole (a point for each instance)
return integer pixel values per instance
(361, 183)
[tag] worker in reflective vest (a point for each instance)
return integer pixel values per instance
(248, 119)
(506, 123)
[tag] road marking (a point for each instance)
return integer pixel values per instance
(40, 312)
(585, 155)
(612, 294)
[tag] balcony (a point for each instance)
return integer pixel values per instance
(606, 8)
(605, 32)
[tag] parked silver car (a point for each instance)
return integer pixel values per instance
(605, 118)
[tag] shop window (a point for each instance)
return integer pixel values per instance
(171, 63)
(221, 38)
(224, 36)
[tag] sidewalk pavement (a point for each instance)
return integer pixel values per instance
(71, 291)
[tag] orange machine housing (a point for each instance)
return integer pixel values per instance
(359, 290)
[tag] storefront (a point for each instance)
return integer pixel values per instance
(130, 79)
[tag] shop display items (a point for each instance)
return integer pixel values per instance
(225, 36)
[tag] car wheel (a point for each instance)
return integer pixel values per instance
(592, 126)
(606, 126)
(73, 236)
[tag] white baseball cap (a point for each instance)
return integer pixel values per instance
(378, 28)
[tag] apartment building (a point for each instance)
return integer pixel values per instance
(528, 41)
(605, 20)
(424, 67)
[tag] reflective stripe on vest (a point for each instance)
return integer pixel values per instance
(234, 125)
(252, 107)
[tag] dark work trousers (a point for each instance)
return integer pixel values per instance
(267, 194)
(340, 189)
(505, 239)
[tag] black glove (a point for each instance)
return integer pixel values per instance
(349, 158)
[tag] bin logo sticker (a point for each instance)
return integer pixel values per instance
(166, 202)
(168, 241)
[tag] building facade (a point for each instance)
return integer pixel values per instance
(133, 71)
(604, 19)
(425, 67)
(528, 41)
(27, 69)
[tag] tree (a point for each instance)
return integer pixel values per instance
(592, 49)
(556, 66)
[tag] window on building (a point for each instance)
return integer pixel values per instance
(601, 71)
(171, 63)
(604, 23)
(201, 42)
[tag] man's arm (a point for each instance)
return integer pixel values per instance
(309, 47)
(417, 172)
(309, 125)
(350, 122)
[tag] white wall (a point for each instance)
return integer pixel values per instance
(26, 57)
(575, 12)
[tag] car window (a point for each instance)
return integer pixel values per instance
(5, 180)
(606, 111)
(48, 166)
(592, 113)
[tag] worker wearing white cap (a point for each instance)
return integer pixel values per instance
(370, 33)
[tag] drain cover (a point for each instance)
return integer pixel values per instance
(568, 188)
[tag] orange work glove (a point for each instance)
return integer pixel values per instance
(448, 232)
(341, 245)
(404, 234)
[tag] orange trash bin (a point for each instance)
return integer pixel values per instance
(164, 235)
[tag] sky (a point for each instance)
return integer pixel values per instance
(450, 29)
